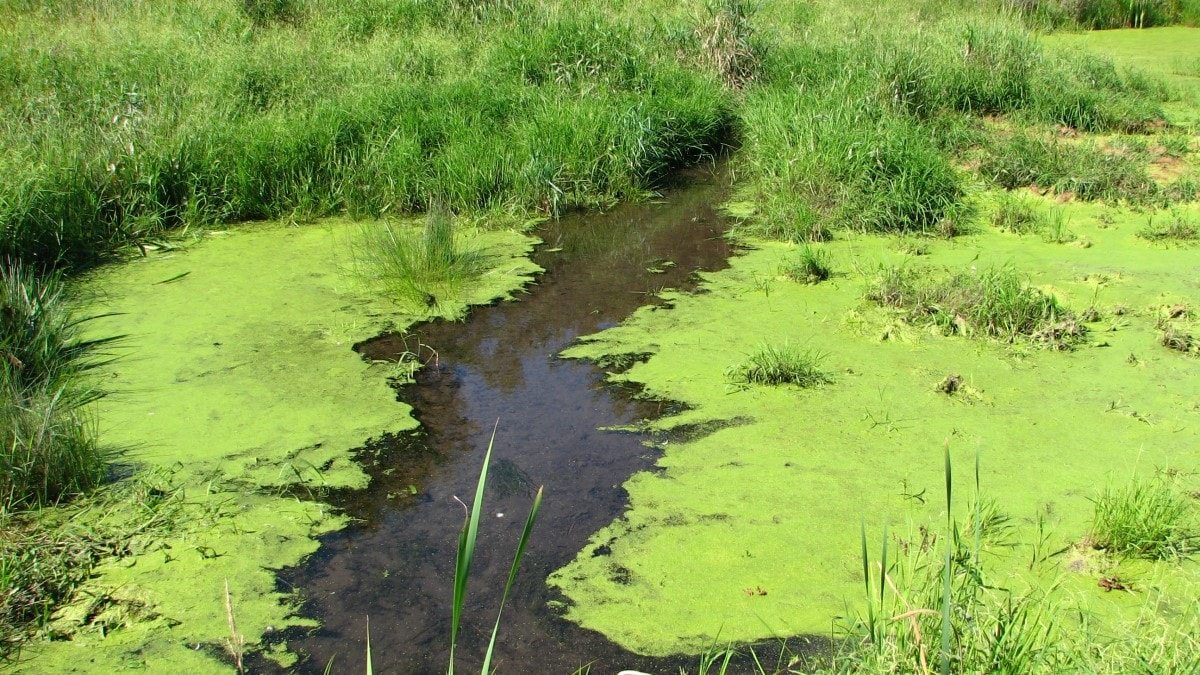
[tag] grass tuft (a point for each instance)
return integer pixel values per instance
(1175, 227)
(728, 44)
(422, 266)
(809, 266)
(781, 364)
(1149, 518)
(996, 302)
(1016, 214)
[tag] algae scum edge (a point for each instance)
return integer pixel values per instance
(396, 563)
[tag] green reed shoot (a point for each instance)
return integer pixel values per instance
(466, 554)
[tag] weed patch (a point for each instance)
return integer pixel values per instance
(809, 266)
(996, 302)
(1017, 214)
(780, 364)
(1083, 170)
(1146, 517)
(420, 266)
(1171, 227)
(44, 556)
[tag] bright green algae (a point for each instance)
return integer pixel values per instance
(239, 388)
(752, 531)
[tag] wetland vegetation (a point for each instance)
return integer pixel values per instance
(149, 133)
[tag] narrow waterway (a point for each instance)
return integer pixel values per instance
(396, 564)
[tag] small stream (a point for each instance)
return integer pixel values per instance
(396, 563)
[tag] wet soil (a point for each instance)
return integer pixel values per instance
(500, 370)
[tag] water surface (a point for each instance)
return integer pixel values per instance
(396, 565)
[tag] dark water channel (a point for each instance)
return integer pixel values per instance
(396, 564)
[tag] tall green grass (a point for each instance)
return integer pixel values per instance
(48, 447)
(857, 126)
(128, 119)
(1101, 14)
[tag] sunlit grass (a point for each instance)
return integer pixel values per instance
(1147, 517)
(993, 302)
(781, 364)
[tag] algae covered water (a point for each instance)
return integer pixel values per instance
(500, 370)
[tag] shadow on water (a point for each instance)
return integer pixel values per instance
(396, 565)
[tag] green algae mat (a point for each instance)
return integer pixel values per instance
(237, 400)
(752, 531)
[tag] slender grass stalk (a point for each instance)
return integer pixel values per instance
(866, 564)
(512, 575)
(947, 570)
(370, 665)
(466, 554)
(466, 550)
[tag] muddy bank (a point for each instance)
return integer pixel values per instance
(395, 563)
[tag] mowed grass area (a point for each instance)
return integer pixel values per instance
(126, 122)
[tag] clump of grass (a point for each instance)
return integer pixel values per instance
(1176, 338)
(1150, 518)
(263, 13)
(1083, 170)
(1175, 227)
(781, 364)
(1017, 214)
(1175, 145)
(1055, 229)
(422, 266)
(48, 447)
(809, 266)
(996, 302)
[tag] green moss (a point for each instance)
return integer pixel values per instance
(241, 380)
(776, 504)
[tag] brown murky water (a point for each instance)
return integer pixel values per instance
(396, 565)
